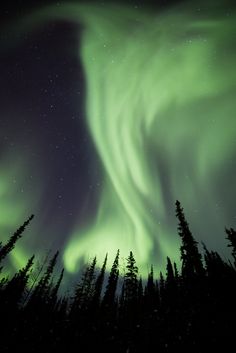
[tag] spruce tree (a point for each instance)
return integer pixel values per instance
(131, 281)
(190, 256)
(169, 272)
(140, 290)
(85, 289)
(109, 295)
(99, 283)
(55, 289)
(41, 293)
(44, 282)
(150, 291)
(231, 237)
(176, 272)
(162, 288)
(170, 284)
(16, 286)
(7, 248)
(215, 266)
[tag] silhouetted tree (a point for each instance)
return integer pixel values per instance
(99, 283)
(5, 249)
(170, 284)
(150, 291)
(44, 282)
(175, 313)
(140, 290)
(54, 291)
(41, 293)
(190, 256)
(109, 295)
(215, 266)
(15, 288)
(162, 287)
(35, 277)
(170, 278)
(85, 289)
(130, 280)
(176, 272)
(231, 237)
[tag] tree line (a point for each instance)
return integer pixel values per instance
(191, 309)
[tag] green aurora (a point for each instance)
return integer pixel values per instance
(160, 106)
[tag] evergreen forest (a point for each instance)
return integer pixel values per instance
(187, 309)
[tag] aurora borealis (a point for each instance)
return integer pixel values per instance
(157, 102)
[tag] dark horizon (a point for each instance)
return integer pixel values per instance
(188, 309)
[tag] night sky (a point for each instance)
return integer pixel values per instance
(109, 112)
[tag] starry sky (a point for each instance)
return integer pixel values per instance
(109, 112)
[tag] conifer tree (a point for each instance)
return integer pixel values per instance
(162, 287)
(140, 290)
(176, 272)
(169, 272)
(85, 288)
(16, 286)
(131, 281)
(89, 283)
(150, 282)
(170, 284)
(231, 237)
(190, 256)
(7, 248)
(44, 282)
(35, 277)
(215, 266)
(42, 290)
(56, 287)
(99, 283)
(150, 291)
(157, 292)
(109, 296)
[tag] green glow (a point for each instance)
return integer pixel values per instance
(161, 112)
(154, 83)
